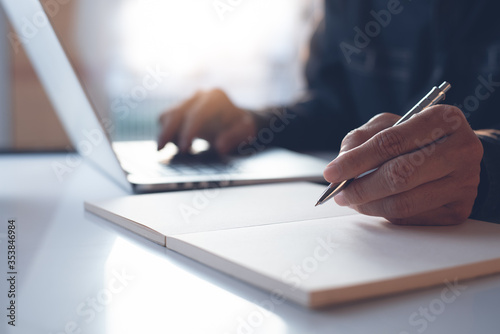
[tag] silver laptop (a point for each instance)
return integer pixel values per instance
(136, 165)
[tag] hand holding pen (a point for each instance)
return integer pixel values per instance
(426, 169)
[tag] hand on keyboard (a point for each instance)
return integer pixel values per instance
(208, 115)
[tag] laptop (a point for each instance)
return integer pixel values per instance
(137, 166)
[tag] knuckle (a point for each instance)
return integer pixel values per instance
(401, 206)
(346, 161)
(363, 209)
(217, 93)
(398, 174)
(355, 194)
(164, 117)
(447, 117)
(169, 116)
(381, 116)
(384, 118)
(198, 94)
(389, 143)
(470, 175)
(451, 110)
(355, 135)
(451, 115)
(470, 182)
(475, 148)
(353, 138)
(457, 215)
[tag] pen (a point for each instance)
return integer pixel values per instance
(436, 95)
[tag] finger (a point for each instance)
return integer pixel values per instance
(170, 121)
(360, 135)
(201, 115)
(430, 125)
(405, 172)
(228, 140)
(193, 122)
(445, 215)
(425, 198)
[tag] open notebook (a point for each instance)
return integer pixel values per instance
(273, 237)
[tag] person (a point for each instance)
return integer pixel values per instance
(369, 63)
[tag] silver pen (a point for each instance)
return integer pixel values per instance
(436, 95)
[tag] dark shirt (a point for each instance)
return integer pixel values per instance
(369, 57)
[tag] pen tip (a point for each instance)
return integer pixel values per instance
(317, 203)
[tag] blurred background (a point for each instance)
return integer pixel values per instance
(138, 58)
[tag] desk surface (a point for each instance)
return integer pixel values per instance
(81, 274)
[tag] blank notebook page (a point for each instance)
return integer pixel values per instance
(353, 257)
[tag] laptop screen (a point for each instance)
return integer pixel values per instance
(64, 88)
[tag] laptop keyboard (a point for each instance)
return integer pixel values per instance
(196, 169)
(195, 164)
(173, 170)
(141, 159)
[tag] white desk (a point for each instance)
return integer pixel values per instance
(69, 260)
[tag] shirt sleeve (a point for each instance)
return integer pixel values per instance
(487, 204)
(324, 114)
